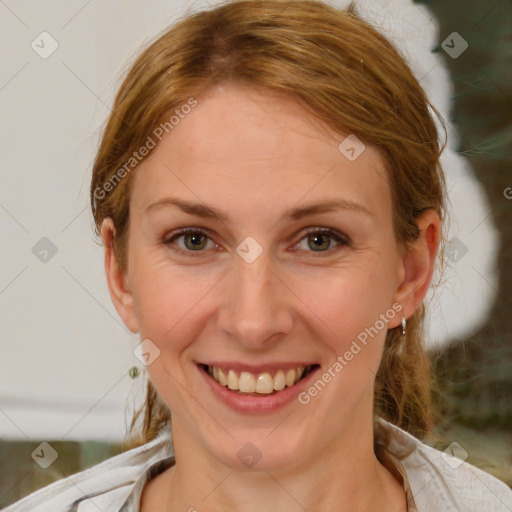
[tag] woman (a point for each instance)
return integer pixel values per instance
(269, 195)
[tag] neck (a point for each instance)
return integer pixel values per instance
(345, 477)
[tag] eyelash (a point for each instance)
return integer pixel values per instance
(343, 240)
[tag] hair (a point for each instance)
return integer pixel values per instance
(344, 72)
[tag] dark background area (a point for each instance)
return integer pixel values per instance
(475, 376)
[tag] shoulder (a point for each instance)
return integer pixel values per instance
(440, 481)
(107, 484)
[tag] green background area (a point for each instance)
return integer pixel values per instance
(475, 376)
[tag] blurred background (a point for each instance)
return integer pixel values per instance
(65, 374)
(475, 373)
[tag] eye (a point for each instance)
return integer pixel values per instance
(320, 240)
(194, 241)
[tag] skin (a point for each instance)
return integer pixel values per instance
(254, 155)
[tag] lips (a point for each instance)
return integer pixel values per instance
(255, 403)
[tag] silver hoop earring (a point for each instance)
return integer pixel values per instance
(404, 325)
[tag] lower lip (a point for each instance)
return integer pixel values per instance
(256, 404)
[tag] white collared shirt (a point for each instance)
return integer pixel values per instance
(433, 481)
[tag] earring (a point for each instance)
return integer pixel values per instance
(133, 372)
(404, 325)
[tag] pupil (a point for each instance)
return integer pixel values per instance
(321, 237)
(195, 240)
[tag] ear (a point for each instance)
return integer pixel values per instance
(117, 279)
(418, 263)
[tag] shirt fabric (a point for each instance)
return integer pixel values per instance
(433, 481)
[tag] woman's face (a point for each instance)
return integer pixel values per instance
(272, 276)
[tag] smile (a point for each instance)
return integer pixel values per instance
(254, 384)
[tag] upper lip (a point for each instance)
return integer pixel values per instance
(257, 368)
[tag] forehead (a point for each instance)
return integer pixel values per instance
(244, 149)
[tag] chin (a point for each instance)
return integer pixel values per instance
(260, 451)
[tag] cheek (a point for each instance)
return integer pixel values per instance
(164, 300)
(170, 301)
(169, 307)
(346, 304)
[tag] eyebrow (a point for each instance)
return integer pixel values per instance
(297, 213)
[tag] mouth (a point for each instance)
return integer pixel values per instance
(258, 384)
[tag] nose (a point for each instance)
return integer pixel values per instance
(256, 308)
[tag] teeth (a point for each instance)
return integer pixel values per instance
(290, 377)
(222, 378)
(232, 380)
(262, 383)
(247, 383)
(279, 380)
(265, 383)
